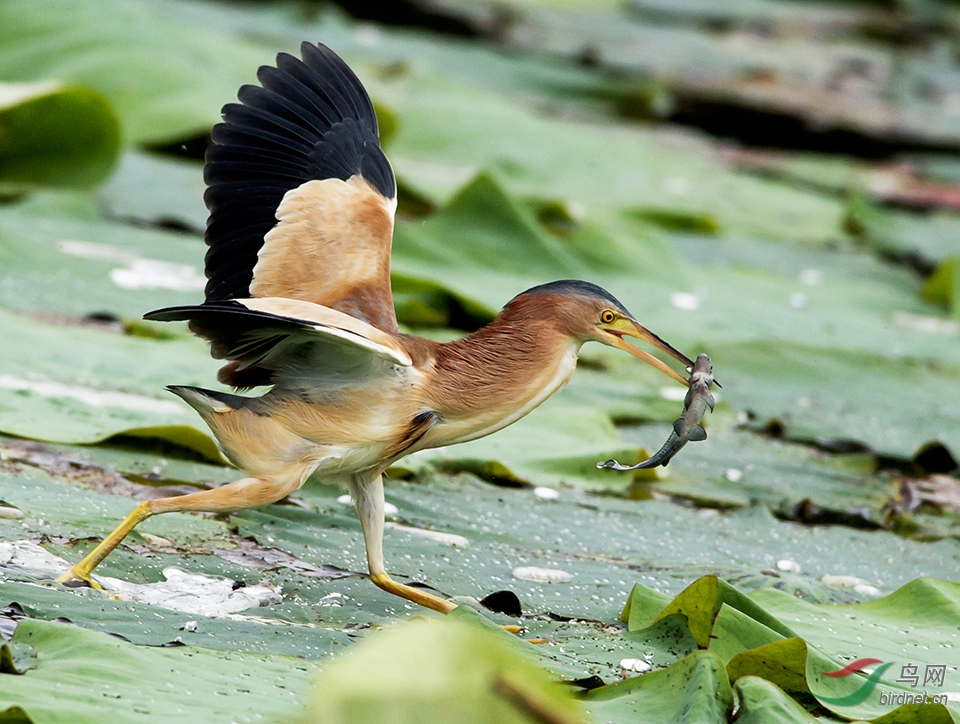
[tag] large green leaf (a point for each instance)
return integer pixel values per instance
(166, 76)
(762, 702)
(943, 286)
(790, 60)
(780, 661)
(175, 198)
(486, 245)
(702, 600)
(783, 475)
(749, 633)
(931, 638)
(453, 671)
(95, 676)
(556, 444)
(55, 135)
(798, 668)
(893, 405)
(60, 384)
(59, 254)
(695, 689)
(926, 238)
(445, 137)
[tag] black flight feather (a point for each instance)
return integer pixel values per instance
(228, 325)
(309, 119)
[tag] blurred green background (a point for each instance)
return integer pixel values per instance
(773, 182)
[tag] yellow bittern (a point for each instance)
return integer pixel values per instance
(302, 203)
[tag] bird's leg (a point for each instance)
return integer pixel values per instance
(244, 493)
(82, 570)
(368, 497)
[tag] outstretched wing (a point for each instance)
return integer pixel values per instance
(301, 196)
(298, 345)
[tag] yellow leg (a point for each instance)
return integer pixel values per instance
(244, 493)
(84, 568)
(368, 498)
(383, 580)
(367, 495)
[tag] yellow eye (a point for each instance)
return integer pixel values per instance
(607, 316)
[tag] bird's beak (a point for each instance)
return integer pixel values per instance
(624, 326)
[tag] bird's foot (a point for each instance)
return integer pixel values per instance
(416, 595)
(428, 600)
(74, 578)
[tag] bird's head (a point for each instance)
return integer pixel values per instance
(587, 312)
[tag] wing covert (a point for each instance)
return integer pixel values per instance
(288, 342)
(301, 196)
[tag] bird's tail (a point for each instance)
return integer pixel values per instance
(253, 441)
(207, 402)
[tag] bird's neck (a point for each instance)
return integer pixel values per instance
(497, 375)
